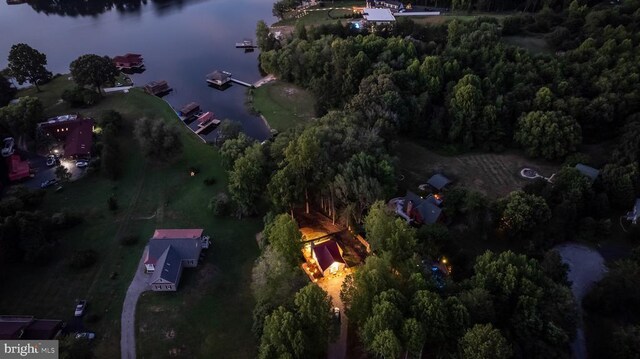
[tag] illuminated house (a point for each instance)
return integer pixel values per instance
(74, 132)
(168, 252)
(328, 256)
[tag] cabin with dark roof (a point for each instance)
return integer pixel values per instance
(328, 257)
(219, 78)
(190, 110)
(417, 210)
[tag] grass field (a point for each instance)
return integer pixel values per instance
(495, 174)
(315, 17)
(217, 296)
(283, 104)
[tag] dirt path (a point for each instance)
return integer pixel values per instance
(586, 266)
(139, 284)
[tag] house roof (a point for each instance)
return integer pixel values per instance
(438, 181)
(327, 253)
(205, 117)
(218, 76)
(12, 329)
(177, 233)
(168, 266)
(190, 107)
(42, 329)
(590, 172)
(378, 15)
(80, 138)
(186, 248)
(153, 85)
(429, 211)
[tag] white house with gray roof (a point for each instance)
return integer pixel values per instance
(168, 252)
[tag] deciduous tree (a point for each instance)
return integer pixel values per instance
(28, 64)
(93, 70)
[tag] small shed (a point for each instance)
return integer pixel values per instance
(590, 172)
(219, 78)
(328, 256)
(190, 109)
(157, 87)
(438, 181)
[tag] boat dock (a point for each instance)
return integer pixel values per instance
(205, 121)
(245, 44)
(204, 126)
(241, 82)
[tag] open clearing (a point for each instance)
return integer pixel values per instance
(214, 299)
(494, 174)
(284, 105)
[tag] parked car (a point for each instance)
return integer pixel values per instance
(48, 183)
(82, 163)
(52, 161)
(7, 150)
(336, 314)
(86, 335)
(80, 307)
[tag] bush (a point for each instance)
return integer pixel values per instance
(65, 220)
(209, 181)
(80, 97)
(129, 240)
(93, 318)
(513, 25)
(110, 118)
(112, 202)
(220, 204)
(83, 259)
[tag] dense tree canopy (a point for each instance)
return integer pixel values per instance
(93, 70)
(21, 119)
(548, 134)
(28, 64)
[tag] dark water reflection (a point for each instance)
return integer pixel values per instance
(181, 41)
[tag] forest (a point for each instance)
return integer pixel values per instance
(459, 86)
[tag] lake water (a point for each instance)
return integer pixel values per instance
(181, 41)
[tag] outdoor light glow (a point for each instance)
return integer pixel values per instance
(444, 260)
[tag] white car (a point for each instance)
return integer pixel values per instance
(82, 164)
(80, 307)
(7, 150)
(86, 335)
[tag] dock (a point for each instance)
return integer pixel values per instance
(206, 120)
(241, 82)
(245, 44)
(203, 127)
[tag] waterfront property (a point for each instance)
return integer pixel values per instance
(128, 62)
(219, 78)
(168, 252)
(74, 133)
(190, 110)
(157, 88)
(205, 121)
(245, 44)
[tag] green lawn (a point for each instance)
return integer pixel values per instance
(284, 105)
(315, 18)
(150, 195)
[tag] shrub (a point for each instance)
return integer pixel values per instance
(129, 240)
(93, 318)
(220, 204)
(80, 97)
(83, 259)
(209, 181)
(113, 203)
(110, 118)
(65, 219)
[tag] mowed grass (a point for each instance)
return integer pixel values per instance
(150, 195)
(284, 105)
(494, 174)
(315, 17)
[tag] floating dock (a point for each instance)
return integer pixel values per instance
(245, 44)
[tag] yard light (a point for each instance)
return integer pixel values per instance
(444, 260)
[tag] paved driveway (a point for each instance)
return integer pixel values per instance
(43, 172)
(139, 284)
(332, 285)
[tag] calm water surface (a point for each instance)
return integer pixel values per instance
(181, 41)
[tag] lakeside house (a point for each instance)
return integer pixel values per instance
(73, 132)
(328, 257)
(168, 252)
(21, 327)
(128, 62)
(157, 88)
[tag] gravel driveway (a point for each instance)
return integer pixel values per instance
(139, 284)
